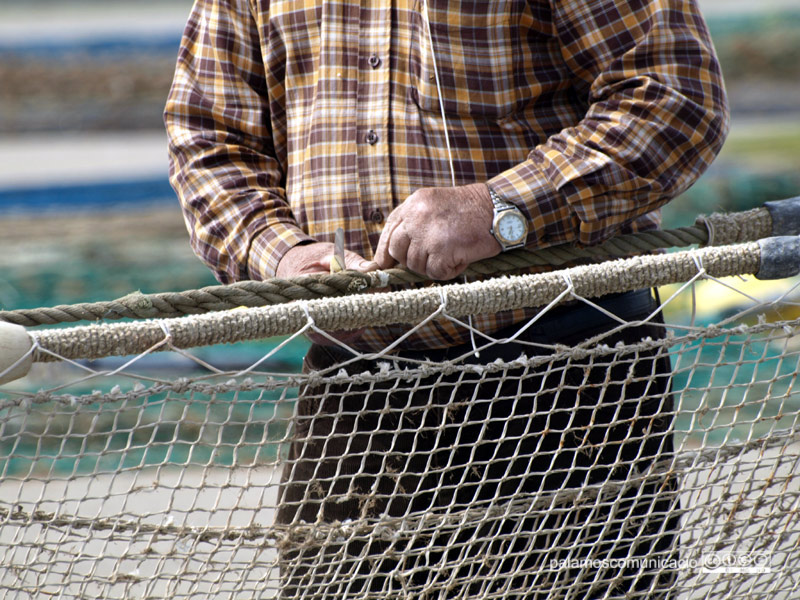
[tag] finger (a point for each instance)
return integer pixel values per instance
(325, 263)
(399, 244)
(357, 262)
(417, 259)
(382, 256)
(441, 270)
(365, 266)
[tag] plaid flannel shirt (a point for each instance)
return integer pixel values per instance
(290, 118)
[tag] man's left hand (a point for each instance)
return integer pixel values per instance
(438, 232)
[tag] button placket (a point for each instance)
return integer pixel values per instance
(372, 118)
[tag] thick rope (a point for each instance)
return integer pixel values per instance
(716, 229)
(407, 306)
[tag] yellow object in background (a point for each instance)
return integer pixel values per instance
(716, 300)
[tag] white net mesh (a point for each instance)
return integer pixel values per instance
(648, 461)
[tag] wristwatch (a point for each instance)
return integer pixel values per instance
(509, 226)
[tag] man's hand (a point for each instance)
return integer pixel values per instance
(316, 258)
(438, 232)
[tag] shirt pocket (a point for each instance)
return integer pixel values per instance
(476, 51)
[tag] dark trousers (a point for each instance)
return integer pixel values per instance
(487, 470)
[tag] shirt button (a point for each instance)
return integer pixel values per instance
(376, 216)
(374, 61)
(372, 137)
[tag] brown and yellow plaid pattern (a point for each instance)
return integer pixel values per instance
(290, 118)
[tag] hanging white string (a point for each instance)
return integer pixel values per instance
(426, 18)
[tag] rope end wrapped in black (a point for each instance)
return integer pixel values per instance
(785, 216)
(780, 257)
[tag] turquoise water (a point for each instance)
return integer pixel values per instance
(89, 429)
(736, 389)
(224, 430)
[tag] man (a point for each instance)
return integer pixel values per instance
(438, 133)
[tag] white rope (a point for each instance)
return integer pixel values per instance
(409, 306)
(426, 18)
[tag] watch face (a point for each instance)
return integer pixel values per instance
(511, 228)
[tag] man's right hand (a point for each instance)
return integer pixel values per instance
(316, 258)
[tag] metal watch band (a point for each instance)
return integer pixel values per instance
(497, 201)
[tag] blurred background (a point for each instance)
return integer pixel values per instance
(86, 212)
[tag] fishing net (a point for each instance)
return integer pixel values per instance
(195, 457)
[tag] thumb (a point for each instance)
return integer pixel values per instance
(324, 262)
(366, 265)
(356, 262)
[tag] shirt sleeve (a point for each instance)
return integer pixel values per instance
(223, 164)
(656, 117)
